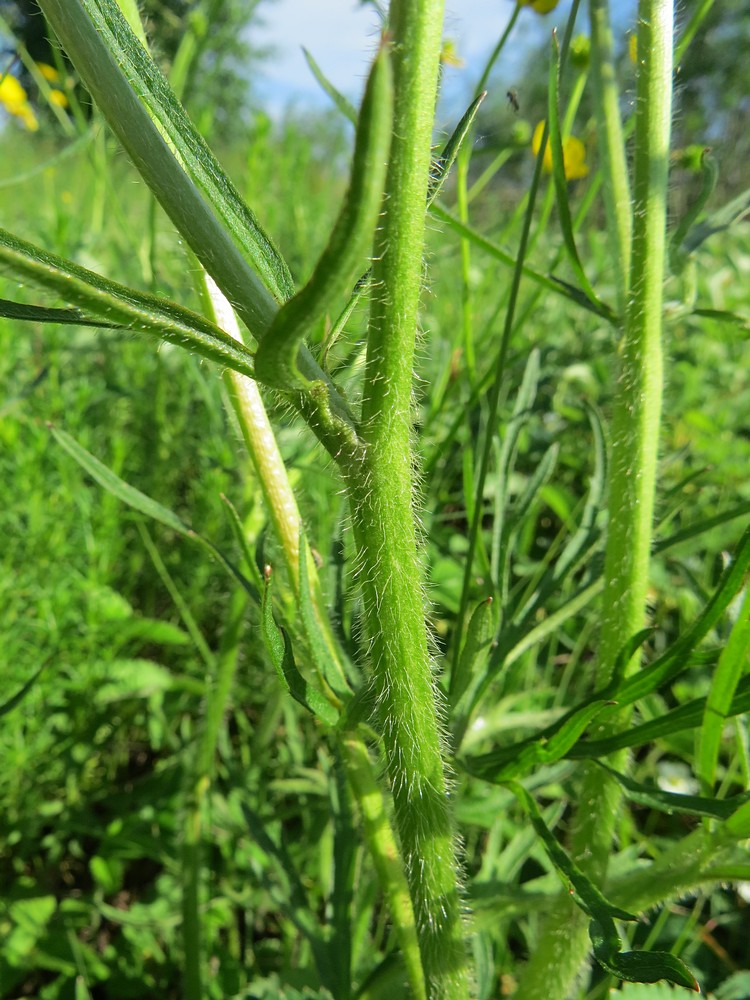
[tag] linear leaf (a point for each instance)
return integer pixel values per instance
(733, 662)
(279, 647)
(344, 105)
(688, 716)
(118, 305)
(672, 802)
(441, 166)
(512, 759)
(558, 174)
(18, 697)
(350, 241)
(586, 895)
(143, 503)
(549, 282)
(324, 662)
(170, 153)
(45, 314)
(636, 966)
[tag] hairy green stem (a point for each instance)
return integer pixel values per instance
(564, 943)
(381, 488)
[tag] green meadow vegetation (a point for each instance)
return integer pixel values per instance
(375, 522)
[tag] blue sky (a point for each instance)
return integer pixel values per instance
(341, 35)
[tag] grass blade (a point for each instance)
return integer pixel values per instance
(144, 504)
(558, 173)
(441, 167)
(344, 105)
(542, 280)
(732, 663)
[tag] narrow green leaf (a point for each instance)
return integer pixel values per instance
(586, 894)
(18, 697)
(44, 314)
(118, 487)
(441, 166)
(279, 647)
(544, 281)
(558, 174)
(117, 305)
(675, 659)
(519, 759)
(724, 316)
(733, 662)
(738, 824)
(324, 663)
(719, 221)
(170, 153)
(710, 175)
(238, 530)
(636, 966)
(479, 635)
(672, 802)
(702, 526)
(349, 243)
(628, 651)
(646, 967)
(344, 105)
(143, 503)
(685, 717)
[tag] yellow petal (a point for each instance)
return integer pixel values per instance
(12, 94)
(574, 159)
(574, 154)
(58, 97)
(49, 73)
(536, 145)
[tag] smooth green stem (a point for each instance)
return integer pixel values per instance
(611, 147)
(382, 493)
(269, 467)
(563, 944)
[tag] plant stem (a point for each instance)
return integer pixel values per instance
(385, 856)
(381, 490)
(563, 943)
(611, 146)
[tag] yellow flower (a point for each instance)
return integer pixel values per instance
(574, 154)
(540, 6)
(12, 94)
(49, 73)
(13, 98)
(58, 97)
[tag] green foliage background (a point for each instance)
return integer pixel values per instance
(94, 758)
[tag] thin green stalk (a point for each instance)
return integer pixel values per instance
(612, 154)
(381, 488)
(563, 944)
(199, 784)
(385, 855)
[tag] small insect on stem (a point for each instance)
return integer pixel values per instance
(512, 96)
